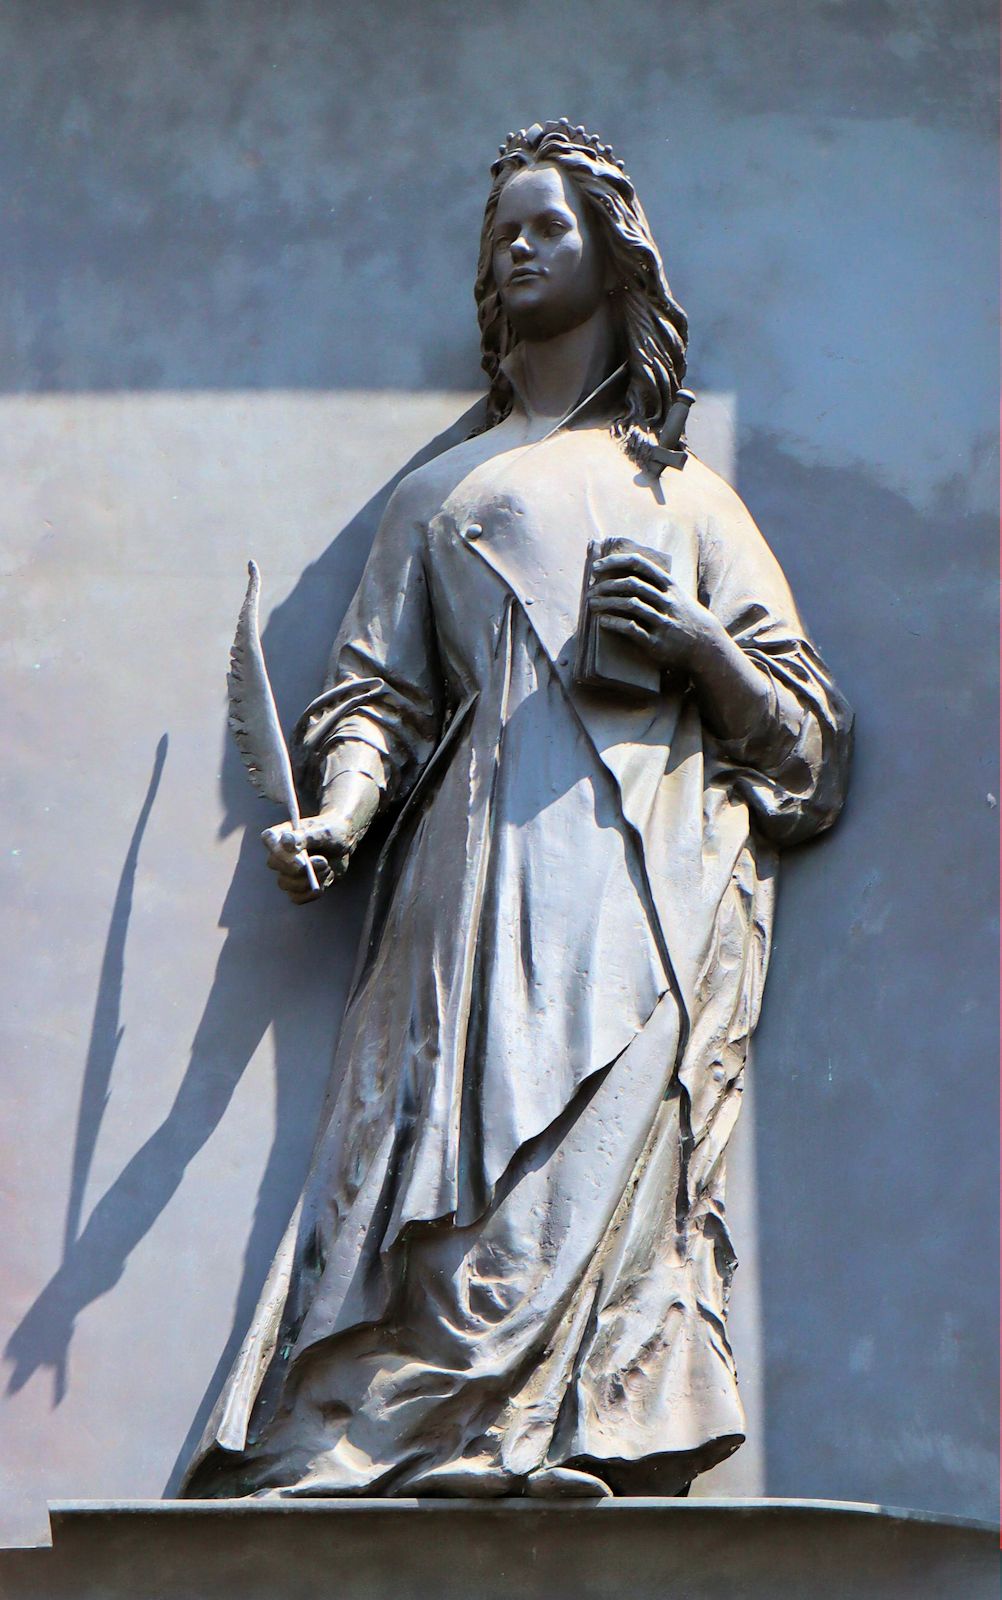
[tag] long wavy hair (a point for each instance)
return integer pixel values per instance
(653, 328)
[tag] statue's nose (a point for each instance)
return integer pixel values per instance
(521, 248)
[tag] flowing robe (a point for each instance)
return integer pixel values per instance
(511, 1251)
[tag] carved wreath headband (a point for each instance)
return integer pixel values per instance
(529, 140)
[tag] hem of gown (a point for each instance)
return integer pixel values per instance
(666, 1473)
(661, 1474)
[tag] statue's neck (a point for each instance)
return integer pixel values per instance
(552, 376)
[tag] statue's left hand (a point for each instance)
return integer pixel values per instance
(638, 597)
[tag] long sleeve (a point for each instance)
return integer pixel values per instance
(793, 767)
(380, 709)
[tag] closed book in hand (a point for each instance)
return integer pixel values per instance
(606, 658)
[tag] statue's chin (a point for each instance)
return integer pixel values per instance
(537, 324)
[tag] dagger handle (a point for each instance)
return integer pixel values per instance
(674, 425)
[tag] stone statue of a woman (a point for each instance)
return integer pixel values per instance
(508, 1272)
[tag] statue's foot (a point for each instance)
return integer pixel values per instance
(460, 1480)
(566, 1483)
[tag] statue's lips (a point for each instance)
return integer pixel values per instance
(524, 275)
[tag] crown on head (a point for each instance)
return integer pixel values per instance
(529, 140)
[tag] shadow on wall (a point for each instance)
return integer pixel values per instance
(879, 1029)
(43, 1339)
(250, 992)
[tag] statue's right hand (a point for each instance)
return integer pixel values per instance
(326, 839)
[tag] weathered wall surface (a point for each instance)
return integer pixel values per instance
(238, 250)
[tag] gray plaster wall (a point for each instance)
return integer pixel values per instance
(237, 253)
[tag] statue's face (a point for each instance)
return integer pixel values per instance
(549, 262)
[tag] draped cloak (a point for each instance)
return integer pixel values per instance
(511, 1252)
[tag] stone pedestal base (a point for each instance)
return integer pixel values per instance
(503, 1550)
